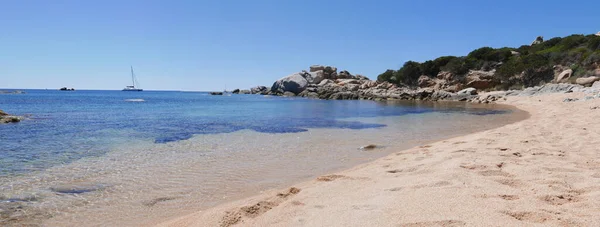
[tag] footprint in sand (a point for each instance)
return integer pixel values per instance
(560, 169)
(237, 215)
(395, 189)
(508, 197)
(486, 141)
(500, 173)
(535, 217)
(504, 197)
(433, 185)
(445, 223)
(364, 207)
(510, 182)
(473, 167)
(405, 170)
(328, 178)
(558, 200)
(464, 151)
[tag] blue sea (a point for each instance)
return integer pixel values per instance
(68, 125)
(140, 146)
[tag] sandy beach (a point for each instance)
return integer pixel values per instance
(542, 171)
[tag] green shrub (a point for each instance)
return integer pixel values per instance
(386, 76)
(457, 66)
(531, 67)
(409, 73)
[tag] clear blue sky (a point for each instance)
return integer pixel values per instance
(207, 45)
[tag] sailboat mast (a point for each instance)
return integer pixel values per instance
(132, 77)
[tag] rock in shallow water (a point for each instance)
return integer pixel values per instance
(77, 188)
(368, 147)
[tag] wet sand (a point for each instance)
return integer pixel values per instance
(542, 171)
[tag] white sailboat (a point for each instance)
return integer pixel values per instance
(133, 81)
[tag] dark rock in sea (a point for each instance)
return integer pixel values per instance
(246, 92)
(369, 147)
(6, 118)
(216, 93)
(66, 89)
(236, 91)
(77, 188)
(259, 90)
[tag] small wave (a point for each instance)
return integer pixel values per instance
(134, 100)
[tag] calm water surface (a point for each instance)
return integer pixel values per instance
(97, 158)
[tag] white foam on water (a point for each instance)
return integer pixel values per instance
(135, 100)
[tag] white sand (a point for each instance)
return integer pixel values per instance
(543, 171)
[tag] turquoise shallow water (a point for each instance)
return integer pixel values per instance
(67, 126)
(103, 158)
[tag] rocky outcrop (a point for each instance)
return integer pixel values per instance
(587, 81)
(480, 79)
(319, 76)
(445, 86)
(314, 77)
(245, 92)
(538, 40)
(236, 91)
(66, 89)
(294, 83)
(329, 72)
(563, 76)
(425, 81)
(259, 90)
(7, 118)
(216, 93)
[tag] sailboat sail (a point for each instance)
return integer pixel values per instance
(133, 83)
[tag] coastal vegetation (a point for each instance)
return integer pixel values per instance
(525, 66)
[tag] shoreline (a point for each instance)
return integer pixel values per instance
(148, 183)
(305, 203)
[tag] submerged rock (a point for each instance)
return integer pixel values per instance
(77, 188)
(368, 147)
(216, 93)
